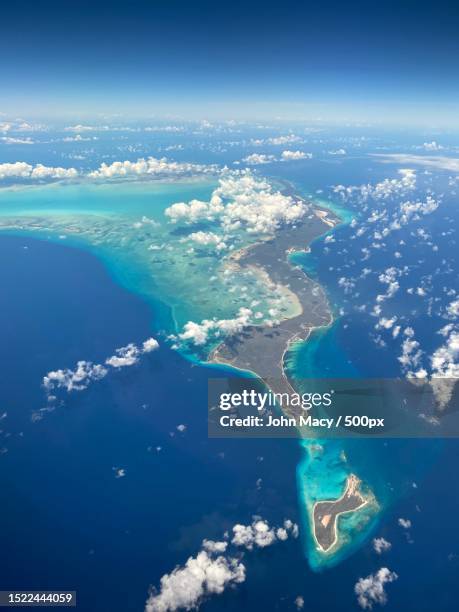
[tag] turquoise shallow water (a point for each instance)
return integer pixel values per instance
(125, 225)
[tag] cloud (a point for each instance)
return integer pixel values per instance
(450, 164)
(405, 523)
(74, 380)
(257, 159)
(79, 138)
(294, 155)
(125, 356)
(213, 570)
(411, 352)
(383, 190)
(149, 345)
(87, 372)
(370, 590)
(208, 239)
(10, 140)
(23, 170)
(200, 333)
(214, 547)
(432, 146)
(129, 355)
(381, 545)
(201, 576)
(259, 534)
(283, 140)
(299, 602)
(242, 201)
(149, 167)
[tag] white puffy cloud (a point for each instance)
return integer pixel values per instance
(299, 602)
(257, 159)
(125, 356)
(213, 570)
(259, 534)
(208, 239)
(201, 576)
(414, 210)
(383, 190)
(411, 352)
(23, 170)
(149, 345)
(453, 309)
(370, 590)
(129, 355)
(214, 547)
(294, 155)
(151, 166)
(283, 140)
(200, 333)
(381, 545)
(74, 380)
(87, 372)
(242, 201)
(405, 523)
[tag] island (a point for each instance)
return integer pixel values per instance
(325, 513)
(261, 349)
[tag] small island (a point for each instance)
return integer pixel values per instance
(325, 513)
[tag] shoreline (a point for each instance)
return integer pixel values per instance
(302, 332)
(351, 481)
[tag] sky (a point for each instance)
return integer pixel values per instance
(290, 59)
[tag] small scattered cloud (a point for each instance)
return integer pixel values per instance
(370, 590)
(295, 155)
(257, 159)
(380, 545)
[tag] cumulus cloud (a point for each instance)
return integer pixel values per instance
(381, 545)
(294, 155)
(201, 576)
(208, 239)
(87, 372)
(405, 523)
(299, 602)
(74, 380)
(383, 190)
(200, 333)
(259, 534)
(242, 201)
(23, 170)
(213, 570)
(370, 590)
(257, 159)
(283, 140)
(151, 166)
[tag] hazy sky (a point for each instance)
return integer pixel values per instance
(335, 59)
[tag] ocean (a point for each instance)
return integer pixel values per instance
(69, 523)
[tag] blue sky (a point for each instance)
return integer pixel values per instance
(335, 60)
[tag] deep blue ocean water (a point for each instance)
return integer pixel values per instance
(68, 523)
